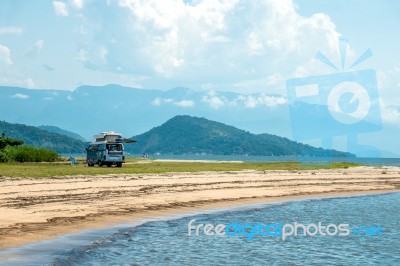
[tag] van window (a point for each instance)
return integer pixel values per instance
(114, 147)
(93, 147)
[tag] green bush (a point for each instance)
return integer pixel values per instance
(27, 154)
(3, 156)
(4, 141)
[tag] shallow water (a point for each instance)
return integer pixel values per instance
(168, 243)
(361, 160)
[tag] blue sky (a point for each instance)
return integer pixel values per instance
(205, 45)
(225, 45)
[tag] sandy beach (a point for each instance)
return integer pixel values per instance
(42, 208)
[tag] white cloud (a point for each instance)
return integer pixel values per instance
(60, 8)
(185, 103)
(271, 84)
(182, 103)
(203, 41)
(390, 113)
(214, 100)
(5, 55)
(168, 100)
(39, 44)
(174, 33)
(35, 48)
(102, 53)
(20, 96)
(247, 101)
(156, 102)
(78, 4)
(96, 58)
(389, 93)
(275, 80)
(29, 83)
(10, 30)
(81, 55)
(254, 44)
(252, 101)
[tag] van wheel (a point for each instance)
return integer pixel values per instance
(108, 165)
(100, 163)
(119, 164)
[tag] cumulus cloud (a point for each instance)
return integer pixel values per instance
(5, 55)
(35, 48)
(389, 93)
(390, 114)
(252, 101)
(201, 41)
(282, 28)
(214, 100)
(156, 102)
(10, 30)
(20, 96)
(78, 4)
(60, 8)
(64, 9)
(175, 34)
(248, 101)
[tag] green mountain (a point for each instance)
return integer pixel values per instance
(64, 132)
(39, 138)
(193, 135)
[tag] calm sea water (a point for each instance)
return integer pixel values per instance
(368, 161)
(167, 242)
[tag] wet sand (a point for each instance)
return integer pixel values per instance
(38, 209)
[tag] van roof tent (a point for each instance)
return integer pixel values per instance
(110, 136)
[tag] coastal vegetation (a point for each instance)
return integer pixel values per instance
(12, 150)
(181, 135)
(61, 131)
(44, 139)
(193, 135)
(141, 166)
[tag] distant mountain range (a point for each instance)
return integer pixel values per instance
(193, 135)
(131, 111)
(91, 109)
(36, 137)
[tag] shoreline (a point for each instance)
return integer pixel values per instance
(66, 205)
(195, 161)
(68, 241)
